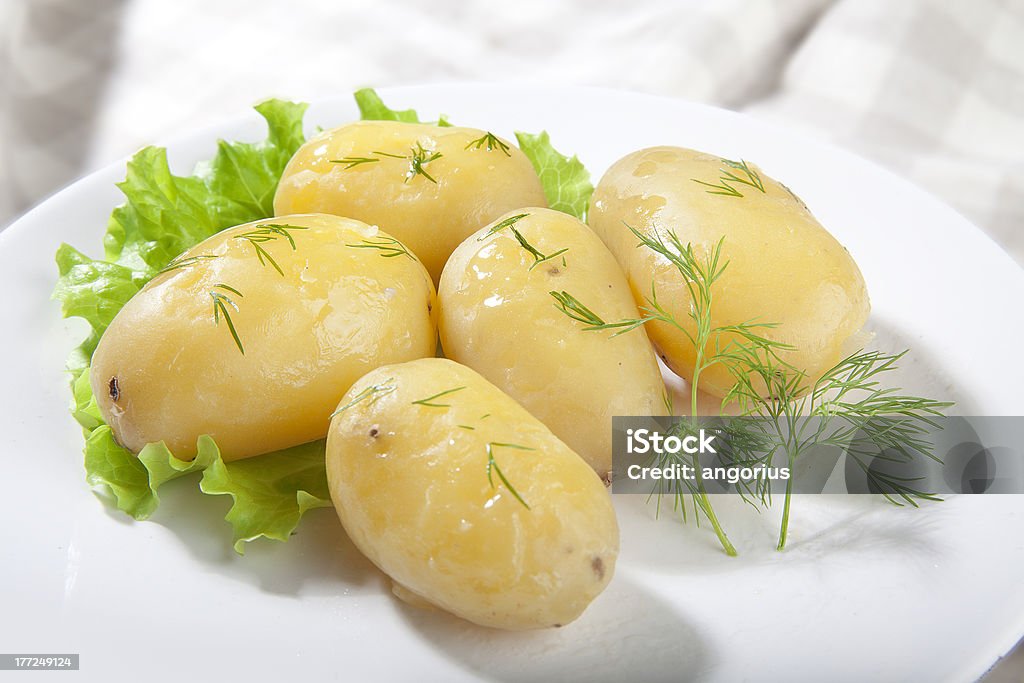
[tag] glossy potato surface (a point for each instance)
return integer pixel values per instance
(407, 464)
(253, 335)
(365, 170)
(783, 266)
(498, 317)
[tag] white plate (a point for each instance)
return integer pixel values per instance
(865, 591)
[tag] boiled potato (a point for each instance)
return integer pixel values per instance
(428, 186)
(783, 266)
(527, 541)
(254, 334)
(499, 317)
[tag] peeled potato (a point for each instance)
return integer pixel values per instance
(783, 266)
(428, 186)
(253, 335)
(499, 317)
(527, 542)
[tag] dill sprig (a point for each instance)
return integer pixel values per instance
(429, 400)
(492, 468)
(491, 142)
(872, 421)
(421, 157)
(185, 262)
(857, 413)
(374, 392)
(389, 247)
(498, 227)
(711, 343)
(352, 162)
(724, 186)
(269, 232)
(854, 412)
(666, 400)
(575, 309)
(578, 311)
(539, 257)
(222, 305)
(418, 157)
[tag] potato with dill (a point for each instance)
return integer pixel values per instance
(531, 302)
(427, 185)
(466, 500)
(253, 335)
(779, 265)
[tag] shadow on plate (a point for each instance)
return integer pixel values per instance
(836, 528)
(921, 372)
(319, 558)
(627, 634)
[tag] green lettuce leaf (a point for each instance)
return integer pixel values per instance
(242, 177)
(84, 409)
(271, 492)
(108, 464)
(134, 479)
(565, 180)
(93, 290)
(372, 108)
(164, 215)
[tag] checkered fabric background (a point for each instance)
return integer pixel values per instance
(88, 82)
(933, 90)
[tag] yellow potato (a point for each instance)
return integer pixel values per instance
(783, 266)
(498, 316)
(253, 335)
(428, 186)
(527, 542)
